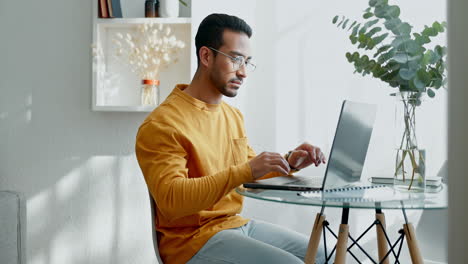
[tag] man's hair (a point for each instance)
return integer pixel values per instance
(210, 31)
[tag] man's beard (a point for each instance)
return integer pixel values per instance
(222, 86)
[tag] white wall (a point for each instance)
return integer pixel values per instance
(86, 195)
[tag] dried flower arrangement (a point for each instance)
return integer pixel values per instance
(149, 49)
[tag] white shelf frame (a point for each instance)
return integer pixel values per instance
(141, 20)
(98, 24)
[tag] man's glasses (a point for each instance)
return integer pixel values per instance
(238, 62)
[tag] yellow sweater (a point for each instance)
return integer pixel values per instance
(193, 155)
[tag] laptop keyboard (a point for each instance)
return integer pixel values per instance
(307, 181)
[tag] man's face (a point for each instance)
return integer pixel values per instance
(224, 77)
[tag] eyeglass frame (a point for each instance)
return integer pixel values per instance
(235, 61)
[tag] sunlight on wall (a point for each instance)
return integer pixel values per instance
(90, 214)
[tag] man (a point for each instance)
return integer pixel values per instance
(193, 153)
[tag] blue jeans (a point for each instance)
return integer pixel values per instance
(256, 242)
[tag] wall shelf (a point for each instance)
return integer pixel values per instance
(141, 20)
(123, 108)
(115, 87)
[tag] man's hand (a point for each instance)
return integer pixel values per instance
(305, 155)
(267, 162)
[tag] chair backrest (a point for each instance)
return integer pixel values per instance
(153, 228)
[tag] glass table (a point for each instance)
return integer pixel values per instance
(432, 199)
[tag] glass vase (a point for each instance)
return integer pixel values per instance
(410, 161)
(149, 92)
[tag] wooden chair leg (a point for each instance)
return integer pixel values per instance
(381, 240)
(314, 240)
(415, 254)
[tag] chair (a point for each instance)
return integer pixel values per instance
(12, 227)
(153, 228)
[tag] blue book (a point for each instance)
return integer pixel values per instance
(115, 9)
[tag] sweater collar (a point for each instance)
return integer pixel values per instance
(178, 91)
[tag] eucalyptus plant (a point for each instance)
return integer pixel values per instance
(390, 51)
(399, 57)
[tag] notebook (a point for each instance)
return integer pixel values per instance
(347, 155)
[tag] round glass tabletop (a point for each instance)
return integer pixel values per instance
(431, 199)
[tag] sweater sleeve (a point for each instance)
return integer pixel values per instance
(163, 160)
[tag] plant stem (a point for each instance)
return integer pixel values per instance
(408, 143)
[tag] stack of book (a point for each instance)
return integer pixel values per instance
(434, 181)
(109, 8)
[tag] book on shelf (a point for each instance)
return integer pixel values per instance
(115, 10)
(102, 9)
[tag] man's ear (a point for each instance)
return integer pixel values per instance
(206, 56)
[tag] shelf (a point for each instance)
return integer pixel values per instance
(142, 20)
(123, 108)
(115, 87)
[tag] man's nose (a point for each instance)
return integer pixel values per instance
(241, 72)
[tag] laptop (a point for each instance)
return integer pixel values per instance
(347, 155)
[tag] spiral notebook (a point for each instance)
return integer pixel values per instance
(369, 193)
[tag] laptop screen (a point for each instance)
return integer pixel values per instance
(350, 145)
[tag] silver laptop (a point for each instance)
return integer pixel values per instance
(347, 155)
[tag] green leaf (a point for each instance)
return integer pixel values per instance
(367, 15)
(361, 45)
(372, 2)
(429, 32)
(345, 23)
(412, 47)
(421, 40)
(381, 49)
(371, 23)
(400, 57)
(353, 39)
(367, 25)
(437, 83)
(424, 76)
(407, 74)
(352, 25)
(373, 31)
(441, 51)
(348, 56)
(380, 12)
(355, 29)
(415, 58)
(404, 29)
(427, 57)
(393, 66)
(419, 84)
(389, 77)
(392, 23)
(380, 38)
(393, 11)
(335, 19)
(435, 57)
(400, 40)
(386, 56)
(430, 93)
(341, 22)
(437, 26)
